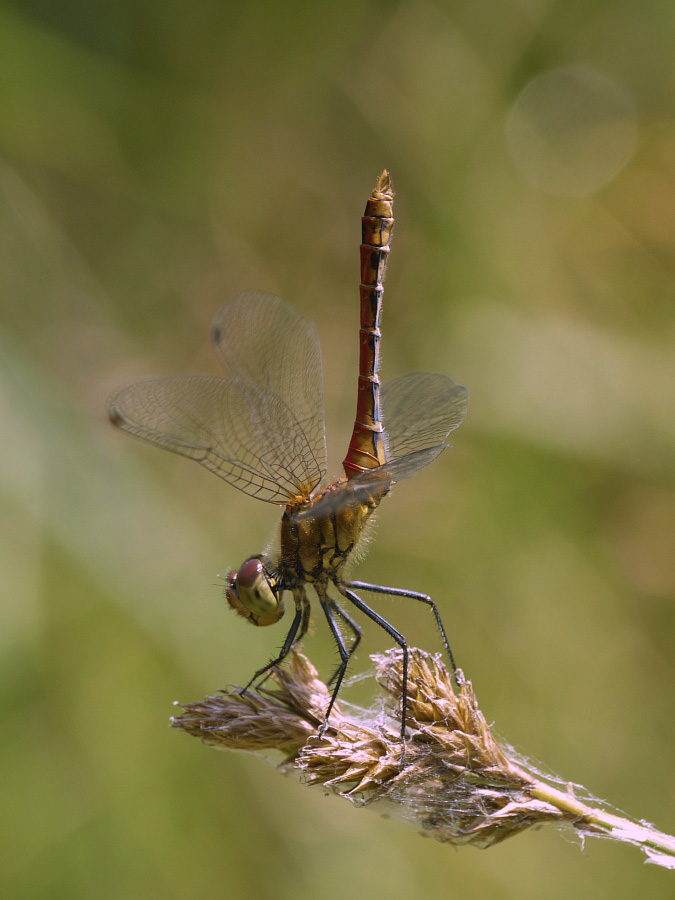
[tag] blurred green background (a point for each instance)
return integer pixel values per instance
(158, 158)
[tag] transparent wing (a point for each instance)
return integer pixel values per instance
(372, 484)
(269, 343)
(243, 432)
(419, 411)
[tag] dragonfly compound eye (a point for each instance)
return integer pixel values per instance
(250, 593)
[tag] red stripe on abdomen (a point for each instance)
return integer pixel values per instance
(366, 448)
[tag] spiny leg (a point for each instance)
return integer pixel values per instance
(400, 640)
(327, 606)
(304, 625)
(356, 630)
(414, 595)
(301, 622)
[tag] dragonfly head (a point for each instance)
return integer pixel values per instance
(254, 594)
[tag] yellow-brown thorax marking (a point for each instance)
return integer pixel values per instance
(315, 549)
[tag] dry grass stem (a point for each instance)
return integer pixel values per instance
(459, 784)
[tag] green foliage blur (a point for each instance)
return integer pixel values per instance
(156, 159)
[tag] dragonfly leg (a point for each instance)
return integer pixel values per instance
(414, 595)
(355, 628)
(397, 636)
(304, 624)
(328, 608)
(297, 630)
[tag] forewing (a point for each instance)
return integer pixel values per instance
(419, 411)
(259, 337)
(242, 432)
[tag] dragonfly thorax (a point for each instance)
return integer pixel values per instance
(316, 547)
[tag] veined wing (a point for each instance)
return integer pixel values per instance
(418, 413)
(259, 337)
(244, 433)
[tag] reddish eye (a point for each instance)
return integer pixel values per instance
(249, 573)
(250, 592)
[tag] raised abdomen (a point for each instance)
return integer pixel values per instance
(366, 448)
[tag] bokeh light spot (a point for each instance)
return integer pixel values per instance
(571, 130)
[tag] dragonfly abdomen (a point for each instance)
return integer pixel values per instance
(367, 447)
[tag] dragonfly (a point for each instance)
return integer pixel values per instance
(260, 427)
